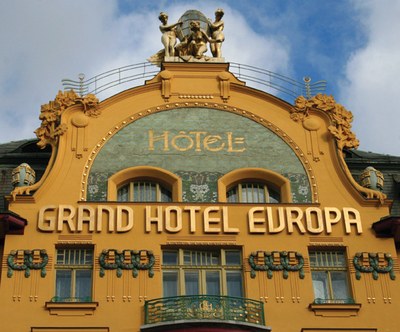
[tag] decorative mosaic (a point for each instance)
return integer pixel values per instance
(199, 145)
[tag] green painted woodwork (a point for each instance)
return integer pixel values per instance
(199, 145)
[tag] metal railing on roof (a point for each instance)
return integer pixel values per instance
(286, 87)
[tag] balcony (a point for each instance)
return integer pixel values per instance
(166, 314)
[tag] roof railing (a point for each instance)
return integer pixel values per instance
(115, 80)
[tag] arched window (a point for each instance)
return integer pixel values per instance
(143, 191)
(252, 192)
(144, 184)
(254, 185)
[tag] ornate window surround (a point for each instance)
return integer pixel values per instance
(234, 177)
(156, 174)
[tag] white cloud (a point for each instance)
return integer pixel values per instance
(48, 40)
(373, 72)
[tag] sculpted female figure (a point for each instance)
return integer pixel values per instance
(197, 40)
(217, 33)
(168, 37)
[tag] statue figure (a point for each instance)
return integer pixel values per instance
(197, 40)
(217, 33)
(168, 37)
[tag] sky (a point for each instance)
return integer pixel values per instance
(353, 45)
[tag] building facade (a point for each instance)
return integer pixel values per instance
(194, 202)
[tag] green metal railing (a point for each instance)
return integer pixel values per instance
(199, 307)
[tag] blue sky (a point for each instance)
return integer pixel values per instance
(352, 44)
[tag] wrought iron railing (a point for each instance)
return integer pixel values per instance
(117, 80)
(198, 307)
(334, 301)
(71, 299)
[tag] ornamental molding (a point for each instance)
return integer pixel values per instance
(134, 260)
(51, 128)
(375, 263)
(340, 129)
(27, 260)
(286, 261)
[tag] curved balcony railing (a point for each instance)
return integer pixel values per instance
(198, 307)
(119, 79)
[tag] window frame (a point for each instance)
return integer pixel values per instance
(222, 267)
(244, 175)
(329, 268)
(68, 266)
(165, 178)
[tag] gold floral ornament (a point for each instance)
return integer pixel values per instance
(340, 128)
(51, 127)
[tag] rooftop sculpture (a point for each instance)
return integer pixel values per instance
(194, 32)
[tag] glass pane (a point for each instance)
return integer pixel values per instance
(192, 282)
(320, 284)
(231, 195)
(166, 195)
(63, 283)
(233, 258)
(83, 285)
(170, 283)
(170, 257)
(234, 283)
(274, 196)
(339, 285)
(213, 283)
(123, 194)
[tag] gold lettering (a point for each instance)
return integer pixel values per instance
(178, 219)
(236, 140)
(211, 220)
(225, 222)
(198, 139)
(291, 220)
(110, 215)
(212, 139)
(309, 220)
(46, 223)
(192, 217)
(332, 216)
(89, 217)
(352, 216)
(253, 221)
(182, 135)
(156, 220)
(162, 137)
(281, 220)
(128, 213)
(70, 210)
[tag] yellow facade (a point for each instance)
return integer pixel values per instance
(63, 211)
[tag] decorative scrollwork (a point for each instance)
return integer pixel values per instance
(112, 259)
(28, 262)
(341, 120)
(269, 264)
(372, 265)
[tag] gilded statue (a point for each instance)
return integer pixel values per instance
(217, 33)
(168, 37)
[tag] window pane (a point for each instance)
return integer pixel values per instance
(192, 282)
(234, 283)
(232, 196)
(339, 285)
(233, 258)
(170, 257)
(83, 285)
(170, 283)
(123, 194)
(213, 283)
(63, 283)
(320, 284)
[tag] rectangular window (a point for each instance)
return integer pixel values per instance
(330, 276)
(74, 269)
(202, 272)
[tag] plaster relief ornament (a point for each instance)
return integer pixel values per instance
(194, 32)
(340, 128)
(52, 128)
